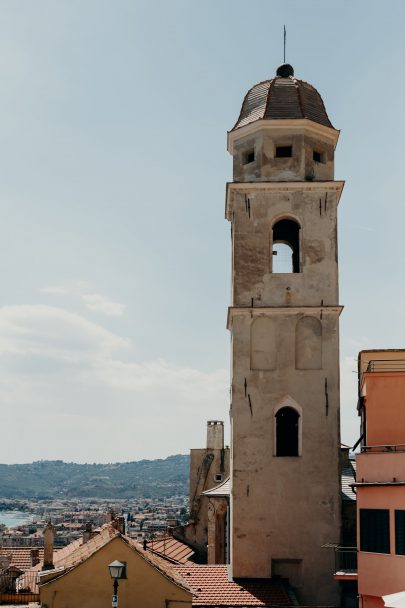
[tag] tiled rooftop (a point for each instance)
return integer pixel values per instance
(77, 552)
(170, 548)
(21, 556)
(211, 587)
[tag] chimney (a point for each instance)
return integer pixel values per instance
(121, 524)
(344, 456)
(5, 561)
(110, 516)
(88, 532)
(215, 435)
(35, 557)
(49, 535)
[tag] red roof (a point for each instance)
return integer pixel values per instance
(21, 556)
(170, 548)
(212, 587)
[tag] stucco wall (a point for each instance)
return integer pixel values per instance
(374, 466)
(384, 394)
(380, 574)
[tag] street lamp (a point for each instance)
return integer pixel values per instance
(116, 569)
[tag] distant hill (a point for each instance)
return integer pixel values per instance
(48, 479)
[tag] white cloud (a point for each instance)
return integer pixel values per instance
(99, 303)
(57, 290)
(66, 381)
(53, 332)
(95, 302)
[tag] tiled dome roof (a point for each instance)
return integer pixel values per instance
(282, 97)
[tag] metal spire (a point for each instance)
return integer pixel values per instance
(285, 39)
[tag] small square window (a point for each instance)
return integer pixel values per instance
(248, 157)
(283, 151)
(218, 478)
(318, 156)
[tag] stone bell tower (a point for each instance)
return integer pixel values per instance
(284, 323)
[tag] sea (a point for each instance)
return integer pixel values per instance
(12, 519)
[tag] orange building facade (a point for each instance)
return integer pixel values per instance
(380, 476)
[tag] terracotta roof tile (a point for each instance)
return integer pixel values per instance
(77, 552)
(171, 548)
(212, 587)
(158, 562)
(21, 556)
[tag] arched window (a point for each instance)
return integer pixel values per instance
(287, 432)
(286, 246)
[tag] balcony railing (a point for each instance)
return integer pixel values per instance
(399, 447)
(345, 560)
(386, 365)
(19, 589)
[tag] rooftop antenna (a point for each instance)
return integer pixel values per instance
(285, 39)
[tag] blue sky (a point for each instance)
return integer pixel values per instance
(115, 260)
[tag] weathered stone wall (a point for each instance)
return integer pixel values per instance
(316, 213)
(290, 506)
(285, 352)
(208, 468)
(266, 166)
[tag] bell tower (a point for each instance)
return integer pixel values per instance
(284, 324)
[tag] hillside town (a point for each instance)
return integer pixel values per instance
(143, 518)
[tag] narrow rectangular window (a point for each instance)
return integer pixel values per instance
(319, 157)
(400, 532)
(283, 151)
(375, 530)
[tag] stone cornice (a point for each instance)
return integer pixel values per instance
(297, 124)
(251, 187)
(266, 310)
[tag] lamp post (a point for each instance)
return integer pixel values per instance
(116, 569)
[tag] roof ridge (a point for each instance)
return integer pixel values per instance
(269, 80)
(268, 96)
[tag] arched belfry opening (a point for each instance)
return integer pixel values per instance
(286, 246)
(287, 432)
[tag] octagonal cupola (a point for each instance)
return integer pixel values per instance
(283, 132)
